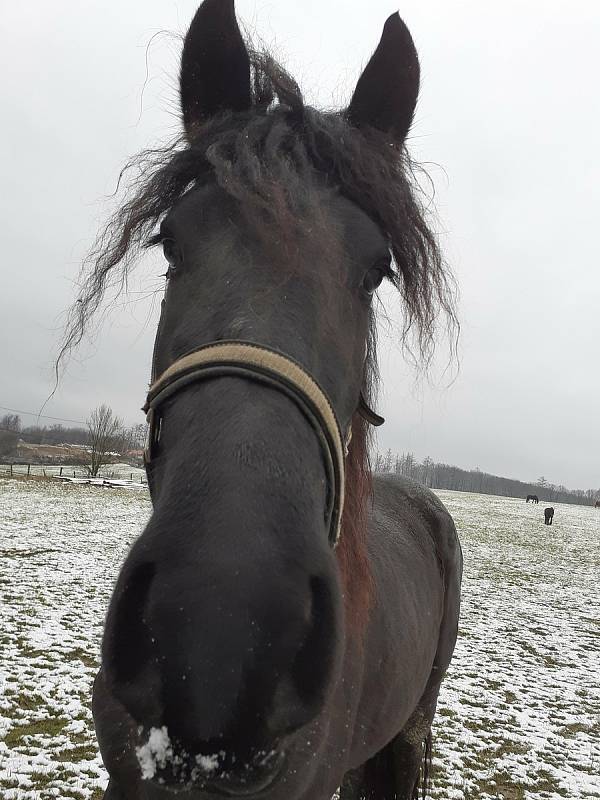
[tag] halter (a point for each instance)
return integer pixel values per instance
(258, 363)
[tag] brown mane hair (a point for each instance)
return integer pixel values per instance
(352, 556)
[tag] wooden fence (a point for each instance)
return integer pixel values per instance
(51, 471)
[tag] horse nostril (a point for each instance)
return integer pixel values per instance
(129, 638)
(300, 693)
(311, 683)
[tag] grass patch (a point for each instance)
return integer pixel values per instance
(528, 648)
(40, 780)
(25, 702)
(51, 726)
(33, 653)
(498, 785)
(76, 754)
(506, 787)
(27, 553)
(85, 658)
(472, 701)
(570, 731)
(551, 662)
(545, 782)
(506, 747)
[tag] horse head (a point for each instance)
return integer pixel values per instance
(229, 619)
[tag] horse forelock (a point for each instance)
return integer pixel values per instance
(275, 159)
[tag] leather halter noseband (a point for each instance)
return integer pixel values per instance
(259, 363)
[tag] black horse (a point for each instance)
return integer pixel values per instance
(533, 497)
(248, 652)
(548, 516)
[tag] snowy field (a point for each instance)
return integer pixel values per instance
(519, 716)
(122, 471)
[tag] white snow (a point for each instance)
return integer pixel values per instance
(156, 752)
(208, 764)
(60, 550)
(519, 710)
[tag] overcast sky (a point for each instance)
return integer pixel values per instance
(509, 111)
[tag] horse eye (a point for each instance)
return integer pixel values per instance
(374, 277)
(171, 251)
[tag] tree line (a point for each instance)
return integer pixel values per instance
(445, 476)
(104, 438)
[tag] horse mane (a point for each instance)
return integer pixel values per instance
(272, 159)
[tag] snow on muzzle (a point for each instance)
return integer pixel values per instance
(164, 761)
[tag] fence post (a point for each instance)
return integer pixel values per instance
(11, 469)
(60, 473)
(44, 471)
(28, 469)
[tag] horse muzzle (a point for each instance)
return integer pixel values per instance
(166, 763)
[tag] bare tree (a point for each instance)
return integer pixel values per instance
(388, 461)
(104, 431)
(10, 427)
(11, 422)
(135, 436)
(8, 443)
(409, 465)
(428, 471)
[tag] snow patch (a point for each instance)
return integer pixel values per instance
(155, 753)
(158, 751)
(208, 764)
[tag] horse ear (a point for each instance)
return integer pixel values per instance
(386, 93)
(215, 67)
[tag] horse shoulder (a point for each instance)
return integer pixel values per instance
(400, 502)
(404, 508)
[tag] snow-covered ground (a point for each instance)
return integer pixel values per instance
(60, 547)
(519, 715)
(121, 471)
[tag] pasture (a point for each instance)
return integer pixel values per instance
(519, 712)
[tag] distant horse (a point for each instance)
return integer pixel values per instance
(283, 624)
(533, 497)
(548, 516)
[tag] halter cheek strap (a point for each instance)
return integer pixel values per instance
(258, 363)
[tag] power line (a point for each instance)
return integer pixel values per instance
(42, 416)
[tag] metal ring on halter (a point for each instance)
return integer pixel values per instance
(256, 362)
